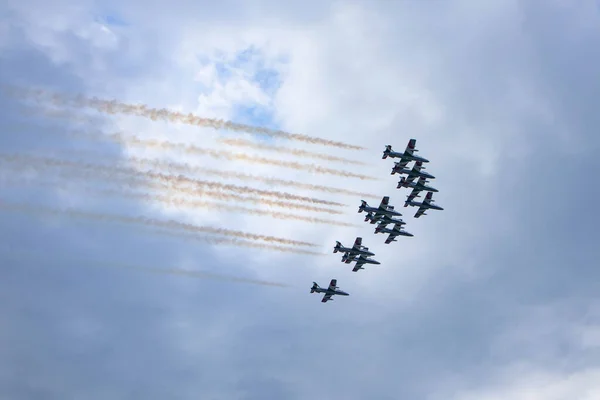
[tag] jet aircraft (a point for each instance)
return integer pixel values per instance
(357, 249)
(415, 172)
(393, 233)
(360, 261)
(407, 156)
(384, 221)
(424, 206)
(330, 291)
(383, 209)
(419, 186)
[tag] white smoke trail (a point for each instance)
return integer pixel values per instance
(142, 110)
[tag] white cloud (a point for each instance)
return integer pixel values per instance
(460, 78)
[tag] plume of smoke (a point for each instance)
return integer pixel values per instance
(227, 155)
(182, 167)
(180, 178)
(18, 254)
(142, 110)
(165, 224)
(179, 202)
(78, 171)
(190, 169)
(285, 150)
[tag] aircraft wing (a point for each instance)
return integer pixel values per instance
(412, 195)
(359, 263)
(385, 202)
(410, 147)
(428, 198)
(390, 238)
(357, 243)
(417, 167)
(420, 211)
(333, 284)
(326, 298)
(424, 207)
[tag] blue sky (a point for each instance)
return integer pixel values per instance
(496, 297)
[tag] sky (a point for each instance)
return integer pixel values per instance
(496, 297)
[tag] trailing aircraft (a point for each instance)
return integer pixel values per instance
(427, 204)
(360, 261)
(357, 249)
(383, 209)
(384, 221)
(330, 291)
(419, 185)
(393, 233)
(415, 172)
(405, 157)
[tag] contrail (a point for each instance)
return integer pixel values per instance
(227, 155)
(77, 170)
(192, 169)
(17, 254)
(286, 150)
(178, 202)
(169, 224)
(217, 172)
(142, 110)
(183, 179)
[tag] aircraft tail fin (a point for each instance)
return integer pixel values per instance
(363, 204)
(314, 287)
(337, 246)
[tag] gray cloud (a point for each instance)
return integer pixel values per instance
(529, 233)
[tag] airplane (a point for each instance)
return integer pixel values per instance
(383, 209)
(358, 248)
(360, 261)
(424, 206)
(384, 220)
(395, 231)
(405, 157)
(415, 172)
(330, 291)
(419, 186)
(417, 189)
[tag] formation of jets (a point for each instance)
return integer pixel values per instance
(384, 215)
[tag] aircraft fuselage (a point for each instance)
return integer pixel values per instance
(354, 251)
(417, 186)
(425, 205)
(406, 156)
(392, 231)
(332, 292)
(411, 173)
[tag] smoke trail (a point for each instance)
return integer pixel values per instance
(227, 155)
(169, 271)
(172, 224)
(186, 168)
(85, 171)
(286, 150)
(182, 167)
(181, 179)
(142, 110)
(191, 203)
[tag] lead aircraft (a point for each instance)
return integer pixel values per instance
(330, 291)
(407, 156)
(378, 212)
(357, 249)
(427, 204)
(393, 233)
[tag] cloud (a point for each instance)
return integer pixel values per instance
(494, 296)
